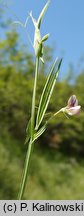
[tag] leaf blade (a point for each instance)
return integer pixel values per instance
(47, 91)
(42, 14)
(40, 132)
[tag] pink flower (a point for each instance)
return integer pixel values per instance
(72, 107)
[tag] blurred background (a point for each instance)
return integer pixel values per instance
(57, 162)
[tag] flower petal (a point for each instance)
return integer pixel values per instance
(72, 102)
(73, 110)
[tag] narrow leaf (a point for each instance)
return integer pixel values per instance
(47, 91)
(40, 132)
(36, 135)
(33, 20)
(42, 14)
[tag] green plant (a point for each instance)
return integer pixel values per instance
(36, 127)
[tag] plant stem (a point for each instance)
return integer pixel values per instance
(25, 172)
(33, 99)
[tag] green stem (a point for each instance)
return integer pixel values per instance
(33, 99)
(25, 172)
